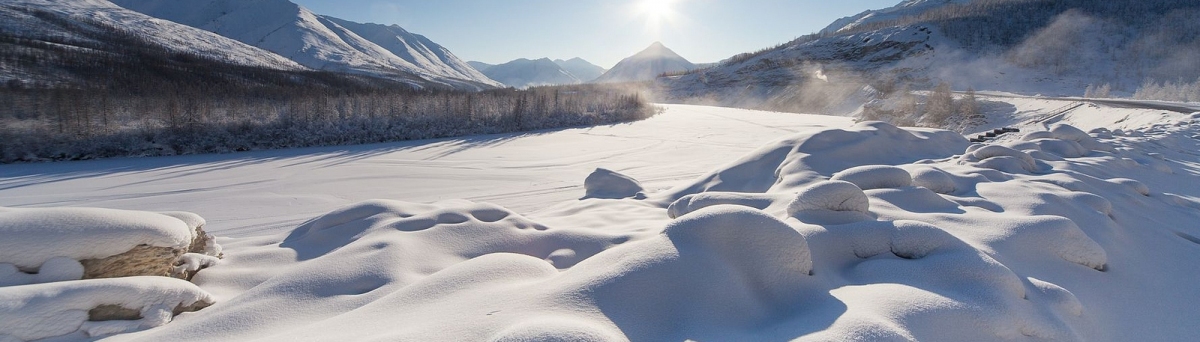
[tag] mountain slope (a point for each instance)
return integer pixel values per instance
(524, 73)
(1021, 46)
(646, 65)
(584, 70)
(319, 42)
(92, 20)
(97, 46)
(480, 66)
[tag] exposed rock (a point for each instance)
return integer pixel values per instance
(142, 260)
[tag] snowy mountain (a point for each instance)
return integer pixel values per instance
(97, 27)
(320, 42)
(524, 73)
(646, 65)
(1031, 47)
(479, 66)
(584, 70)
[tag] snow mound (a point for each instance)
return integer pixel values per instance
(1056, 234)
(999, 158)
(746, 237)
(604, 183)
(1068, 132)
(831, 201)
(1059, 147)
(934, 179)
(1132, 185)
(811, 156)
(694, 202)
(869, 177)
(94, 308)
(33, 236)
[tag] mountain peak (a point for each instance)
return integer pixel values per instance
(646, 65)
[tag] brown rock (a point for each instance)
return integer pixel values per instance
(142, 260)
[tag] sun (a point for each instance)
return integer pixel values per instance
(655, 9)
(657, 13)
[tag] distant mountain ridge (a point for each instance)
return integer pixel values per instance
(646, 65)
(584, 70)
(524, 73)
(320, 42)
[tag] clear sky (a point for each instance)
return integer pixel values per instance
(600, 31)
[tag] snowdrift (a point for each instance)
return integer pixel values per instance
(867, 233)
(87, 272)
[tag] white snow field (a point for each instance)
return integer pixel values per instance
(706, 224)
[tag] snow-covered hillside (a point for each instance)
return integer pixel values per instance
(1055, 48)
(822, 229)
(646, 65)
(320, 42)
(584, 70)
(90, 20)
(524, 73)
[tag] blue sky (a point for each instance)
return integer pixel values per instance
(600, 31)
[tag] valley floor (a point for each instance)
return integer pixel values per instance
(752, 226)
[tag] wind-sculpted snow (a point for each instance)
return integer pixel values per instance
(870, 232)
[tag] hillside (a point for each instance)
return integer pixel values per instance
(1020, 46)
(320, 42)
(51, 42)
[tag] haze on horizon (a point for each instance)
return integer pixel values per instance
(602, 32)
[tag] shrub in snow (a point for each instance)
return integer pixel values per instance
(869, 177)
(605, 183)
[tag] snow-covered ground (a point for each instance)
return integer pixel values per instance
(264, 192)
(749, 226)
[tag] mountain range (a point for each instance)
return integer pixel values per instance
(1021, 46)
(320, 42)
(524, 73)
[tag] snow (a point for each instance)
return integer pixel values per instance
(742, 234)
(605, 183)
(525, 73)
(175, 37)
(320, 42)
(646, 65)
(33, 236)
(60, 309)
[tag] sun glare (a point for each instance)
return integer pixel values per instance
(657, 14)
(655, 8)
